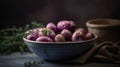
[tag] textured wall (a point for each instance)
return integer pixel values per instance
(21, 12)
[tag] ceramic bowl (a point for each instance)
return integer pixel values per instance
(58, 51)
(105, 29)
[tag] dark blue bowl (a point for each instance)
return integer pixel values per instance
(56, 51)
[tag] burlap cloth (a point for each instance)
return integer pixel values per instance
(103, 52)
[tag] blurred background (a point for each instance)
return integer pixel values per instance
(22, 12)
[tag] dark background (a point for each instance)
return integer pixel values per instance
(21, 12)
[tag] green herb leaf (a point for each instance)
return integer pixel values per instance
(44, 32)
(49, 32)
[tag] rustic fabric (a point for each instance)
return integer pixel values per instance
(104, 52)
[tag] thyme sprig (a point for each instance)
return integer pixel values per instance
(46, 32)
(33, 63)
(11, 38)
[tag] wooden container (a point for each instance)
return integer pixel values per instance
(106, 29)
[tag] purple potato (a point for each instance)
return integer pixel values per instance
(73, 25)
(52, 35)
(82, 30)
(52, 26)
(89, 36)
(35, 31)
(44, 39)
(59, 38)
(31, 37)
(78, 36)
(70, 25)
(67, 34)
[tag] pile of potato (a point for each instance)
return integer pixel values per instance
(64, 31)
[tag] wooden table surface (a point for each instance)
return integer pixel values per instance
(17, 60)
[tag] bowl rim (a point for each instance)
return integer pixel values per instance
(95, 23)
(62, 42)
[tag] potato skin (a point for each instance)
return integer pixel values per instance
(31, 37)
(44, 39)
(59, 38)
(78, 36)
(52, 26)
(67, 34)
(70, 25)
(82, 30)
(89, 36)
